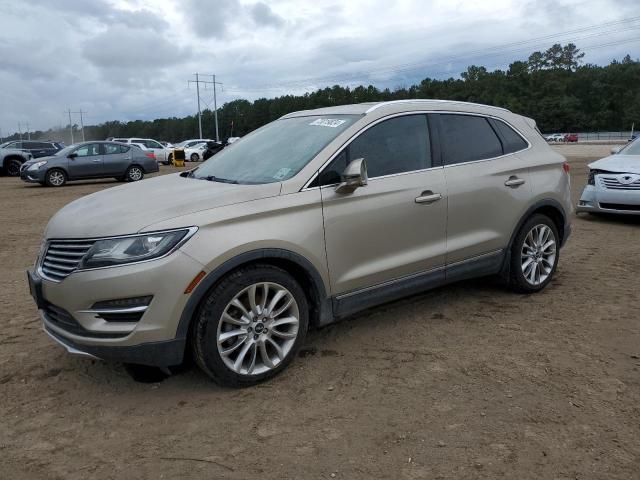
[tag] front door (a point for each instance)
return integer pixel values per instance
(87, 161)
(394, 227)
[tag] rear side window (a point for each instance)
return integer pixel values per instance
(112, 149)
(511, 141)
(466, 138)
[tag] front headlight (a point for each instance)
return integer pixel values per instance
(37, 165)
(134, 248)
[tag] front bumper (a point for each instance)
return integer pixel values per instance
(69, 316)
(34, 176)
(597, 199)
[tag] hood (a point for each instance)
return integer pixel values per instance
(39, 159)
(618, 164)
(130, 208)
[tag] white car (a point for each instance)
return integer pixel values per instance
(556, 137)
(614, 183)
(162, 153)
(195, 153)
(192, 142)
(231, 140)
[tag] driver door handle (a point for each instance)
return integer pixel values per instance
(514, 181)
(428, 197)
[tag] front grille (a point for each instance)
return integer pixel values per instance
(62, 319)
(63, 256)
(612, 183)
(620, 206)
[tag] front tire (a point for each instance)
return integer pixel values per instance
(55, 178)
(534, 255)
(195, 157)
(250, 326)
(134, 173)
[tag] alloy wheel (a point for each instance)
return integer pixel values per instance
(135, 174)
(56, 178)
(258, 328)
(538, 255)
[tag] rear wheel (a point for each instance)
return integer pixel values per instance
(134, 173)
(55, 178)
(250, 326)
(12, 167)
(534, 255)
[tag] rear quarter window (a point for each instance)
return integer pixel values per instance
(511, 141)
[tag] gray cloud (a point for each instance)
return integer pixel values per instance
(263, 15)
(210, 18)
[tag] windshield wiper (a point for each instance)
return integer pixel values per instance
(212, 178)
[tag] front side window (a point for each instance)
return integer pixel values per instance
(466, 138)
(393, 146)
(88, 150)
(275, 152)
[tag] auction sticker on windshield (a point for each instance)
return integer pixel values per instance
(327, 122)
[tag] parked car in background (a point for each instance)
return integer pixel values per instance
(634, 136)
(212, 149)
(195, 153)
(613, 185)
(11, 160)
(309, 219)
(90, 160)
(231, 140)
(192, 142)
(570, 137)
(35, 148)
(162, 153)
(555, 137)
(167, 144)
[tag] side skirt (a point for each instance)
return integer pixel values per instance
(355, 301)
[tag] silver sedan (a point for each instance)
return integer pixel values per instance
(614, 183)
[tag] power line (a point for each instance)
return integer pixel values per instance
(213, 82)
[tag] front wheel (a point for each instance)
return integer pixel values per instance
(55, 178)
(250, 326)
(195, 157)
(534, 255)
(134, 173)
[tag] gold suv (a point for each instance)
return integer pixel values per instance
(306, 220)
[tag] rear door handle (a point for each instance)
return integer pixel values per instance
(514, 182)
(428, 197)
(97, 159)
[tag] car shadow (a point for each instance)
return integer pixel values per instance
(609, 218)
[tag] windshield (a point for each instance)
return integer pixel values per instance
(275, 152)
(632, 149)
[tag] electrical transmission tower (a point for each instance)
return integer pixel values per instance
(80, 112)
(213, 82)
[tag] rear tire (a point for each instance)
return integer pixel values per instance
(134, 173)
(55, 178)
(250, 326)
(534, 255)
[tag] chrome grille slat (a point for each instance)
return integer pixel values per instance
(612, 183)
(62, 258)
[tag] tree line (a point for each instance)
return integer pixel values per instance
(553, 87)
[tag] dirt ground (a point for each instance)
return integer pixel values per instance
(467, 381)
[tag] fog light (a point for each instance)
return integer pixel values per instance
(122, 303)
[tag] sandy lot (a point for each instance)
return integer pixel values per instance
(468, 381)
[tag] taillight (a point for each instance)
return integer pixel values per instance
(566, 167)
(151, 155)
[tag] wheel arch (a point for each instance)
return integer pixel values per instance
(296, 265)
(549, 207)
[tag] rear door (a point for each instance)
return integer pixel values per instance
(116, 159)
(488, 184)
(393, 227)
(87, 162)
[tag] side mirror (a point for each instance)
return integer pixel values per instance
(615, 150)
(72, 155)
(354, 176)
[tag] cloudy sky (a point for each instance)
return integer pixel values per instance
(131, 59)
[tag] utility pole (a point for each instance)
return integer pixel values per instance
(28, 132)
(70, 126)
(197, 81)
(215, 105)
(20, 130)
(81, 124)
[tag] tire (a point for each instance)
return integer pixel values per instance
(534, 255)
(169, 159)
(261, 358)
(55, 178)
(12, 167)
(134, 173)
(194, 157)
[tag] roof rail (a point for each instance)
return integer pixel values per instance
(425, 100)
